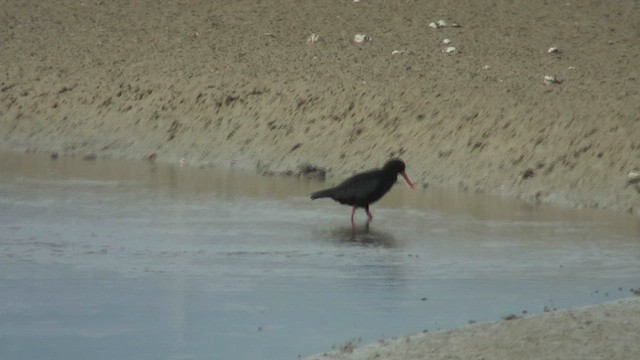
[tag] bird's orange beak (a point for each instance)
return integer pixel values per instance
(406, 178)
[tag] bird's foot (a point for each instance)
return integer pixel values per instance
(369, 216)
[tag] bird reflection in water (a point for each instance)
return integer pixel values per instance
(363, 235)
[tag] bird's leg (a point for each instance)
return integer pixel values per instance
(353, 211)
(366, 208)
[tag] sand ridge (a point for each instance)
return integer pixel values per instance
(237, 84)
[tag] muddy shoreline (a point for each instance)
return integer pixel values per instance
(606, 331)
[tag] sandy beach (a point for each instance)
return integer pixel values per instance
(480, 103)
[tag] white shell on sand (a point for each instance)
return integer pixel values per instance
(438, 24)
(551, 79)
(361, 38)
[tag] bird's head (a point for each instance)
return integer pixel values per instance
(397, 167)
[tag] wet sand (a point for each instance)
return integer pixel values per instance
(237, 84)
(608, 331)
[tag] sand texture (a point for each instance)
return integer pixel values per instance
(236, 83)
(610, 331)
(239, 84)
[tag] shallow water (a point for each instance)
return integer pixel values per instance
(107, 260)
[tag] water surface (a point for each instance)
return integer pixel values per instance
(132, 260)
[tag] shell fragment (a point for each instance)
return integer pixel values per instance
(313, 38)
(551, 79)
(361, 38)
(438, 24)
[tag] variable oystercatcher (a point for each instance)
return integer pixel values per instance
(367, 187)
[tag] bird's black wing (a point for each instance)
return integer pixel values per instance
(357, 189)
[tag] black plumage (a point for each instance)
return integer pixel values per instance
(363, 189)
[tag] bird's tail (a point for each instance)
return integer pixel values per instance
(321, 194)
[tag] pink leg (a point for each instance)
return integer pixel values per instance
(368, 213)
(353, 211)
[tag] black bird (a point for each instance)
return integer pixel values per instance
(367, 187)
